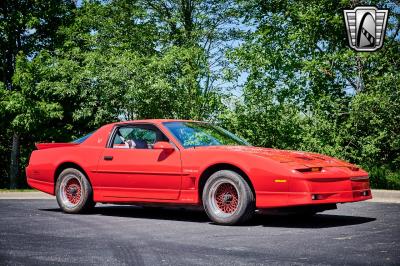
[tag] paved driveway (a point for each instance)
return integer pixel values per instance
(36, 232)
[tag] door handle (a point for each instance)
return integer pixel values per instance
(108, 158)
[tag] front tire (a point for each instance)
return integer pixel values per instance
(228, 198)
(73, 191)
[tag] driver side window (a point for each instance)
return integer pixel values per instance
(137, 137)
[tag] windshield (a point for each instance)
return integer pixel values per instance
(192, 134)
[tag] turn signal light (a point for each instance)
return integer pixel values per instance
(311, 169)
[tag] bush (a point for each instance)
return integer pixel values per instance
(384, 178)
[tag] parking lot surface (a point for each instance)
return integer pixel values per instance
(35, 232)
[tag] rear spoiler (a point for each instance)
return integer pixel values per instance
(42, 146)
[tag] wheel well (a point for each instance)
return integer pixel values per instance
(222, 166)
(64, 166)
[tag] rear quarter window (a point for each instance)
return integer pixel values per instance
(82, 139)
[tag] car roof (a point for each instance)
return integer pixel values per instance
(154, 121)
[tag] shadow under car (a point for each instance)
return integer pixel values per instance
(199, 216)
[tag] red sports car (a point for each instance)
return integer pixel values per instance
(190, 163)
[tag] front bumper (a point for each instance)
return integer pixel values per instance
(317, 197)
(329, 190)
(315, 191)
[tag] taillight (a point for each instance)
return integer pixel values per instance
(310, 169)
(353, 168)
(359, 178)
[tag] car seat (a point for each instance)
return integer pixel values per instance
(140, 144)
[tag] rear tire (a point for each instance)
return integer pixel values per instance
(228, 198)
(73, 191)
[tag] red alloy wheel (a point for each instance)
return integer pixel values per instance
(73, 191)
(226, 198)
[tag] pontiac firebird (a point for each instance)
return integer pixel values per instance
(184, 162)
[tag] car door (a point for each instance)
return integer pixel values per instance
(131, 168)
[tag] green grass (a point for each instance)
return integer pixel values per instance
(17, 190)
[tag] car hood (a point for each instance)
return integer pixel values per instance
(308, 159)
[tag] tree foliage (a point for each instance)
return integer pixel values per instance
(278, 73)
(307, 90)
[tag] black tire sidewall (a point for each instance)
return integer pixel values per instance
(87, 193)
(246, 198)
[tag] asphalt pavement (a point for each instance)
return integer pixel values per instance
(35, 232)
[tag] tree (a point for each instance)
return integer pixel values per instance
(307, 90)
(26, 27)
(71, 69)
(198, 33)
(76, 68)
(142, 60)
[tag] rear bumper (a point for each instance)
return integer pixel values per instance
(41, 185)
(36, 181)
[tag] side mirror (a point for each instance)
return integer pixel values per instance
(163, 145)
